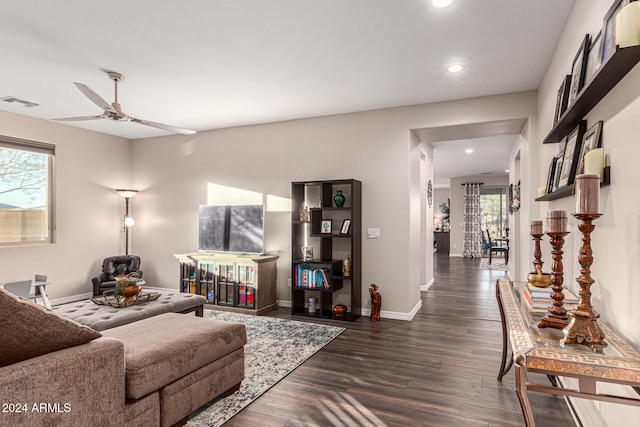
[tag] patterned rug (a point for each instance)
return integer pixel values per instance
(496, 264)
(274, 348)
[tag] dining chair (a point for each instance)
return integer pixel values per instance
(497, 248)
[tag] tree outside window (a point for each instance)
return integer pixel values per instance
(24, 195)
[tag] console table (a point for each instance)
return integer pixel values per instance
(536, 350)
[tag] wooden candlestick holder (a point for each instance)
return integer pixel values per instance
(583, 327)
(537, 252)
(556, 316)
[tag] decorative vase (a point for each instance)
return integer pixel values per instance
(339, 310)
(339, 199)
(131, 292)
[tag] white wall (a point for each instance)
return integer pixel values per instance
(375, 147)
(616, 239)
(88, 167)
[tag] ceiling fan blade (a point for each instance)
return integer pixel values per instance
(164, 127)
(93, 96)
(72, 119)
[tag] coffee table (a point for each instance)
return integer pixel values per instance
(101, 317)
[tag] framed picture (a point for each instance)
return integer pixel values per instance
(325, 227)
(608, 43)
(552, 167)
(307, 253)
(578, 69)
(556, 170)
(571, 153)
(346, 226)
(563, 98)
(593, 59)
(590, 141)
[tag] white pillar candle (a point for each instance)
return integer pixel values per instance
(587, 194)
(542, 191)
(594, 162)
(556, 221)
(628, 25)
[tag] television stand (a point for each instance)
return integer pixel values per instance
(241, 283)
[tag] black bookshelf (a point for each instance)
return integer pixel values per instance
(329, 248)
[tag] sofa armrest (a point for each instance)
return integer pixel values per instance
(81, 385)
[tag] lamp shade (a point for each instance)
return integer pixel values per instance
(127, 194)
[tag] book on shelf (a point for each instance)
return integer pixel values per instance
(312, 278)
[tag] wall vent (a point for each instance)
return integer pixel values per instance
(24, 103)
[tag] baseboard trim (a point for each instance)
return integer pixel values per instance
(72, 298)
(425, 288)
(366, 312)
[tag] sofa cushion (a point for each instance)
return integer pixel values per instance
(164, 348)
(29, 330)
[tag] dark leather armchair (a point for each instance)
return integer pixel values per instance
(112, 267)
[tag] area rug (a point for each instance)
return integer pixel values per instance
(275, 347)
(496, 264)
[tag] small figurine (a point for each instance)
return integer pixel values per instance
(347, 267)
(376, 303)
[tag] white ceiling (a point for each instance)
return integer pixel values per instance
(209, 64)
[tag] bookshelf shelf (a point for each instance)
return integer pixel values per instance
(314, 199)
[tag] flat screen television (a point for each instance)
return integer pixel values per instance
(228, 228)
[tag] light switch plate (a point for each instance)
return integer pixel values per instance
(373, 233)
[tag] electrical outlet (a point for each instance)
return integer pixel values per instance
(288, 283)
(373, 233)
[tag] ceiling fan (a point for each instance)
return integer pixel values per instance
(114, 111)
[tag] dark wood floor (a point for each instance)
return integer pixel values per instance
(438, 370)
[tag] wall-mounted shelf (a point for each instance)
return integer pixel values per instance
(610, 73)
(568, 190)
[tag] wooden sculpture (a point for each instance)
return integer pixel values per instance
(376, 303)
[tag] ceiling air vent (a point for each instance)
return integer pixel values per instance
(24, 103)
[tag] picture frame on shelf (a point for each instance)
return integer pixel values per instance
(591, 141)
(578, 69)
(556, 170)
(307, 253)
(571, 154)
(346, 226)
(552, 167)
(608, 43)
(325, 226)
(562, 99)
(593, 58)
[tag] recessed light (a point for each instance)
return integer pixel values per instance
(441, 3)
(455, 68)
(507, 170)
(468, 151)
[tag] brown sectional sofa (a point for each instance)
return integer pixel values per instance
(153, 372)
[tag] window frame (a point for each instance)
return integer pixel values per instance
(50, 150)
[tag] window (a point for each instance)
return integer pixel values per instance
(494, 213)
(26, 189)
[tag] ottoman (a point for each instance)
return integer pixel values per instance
(187, 360)
(101, 317)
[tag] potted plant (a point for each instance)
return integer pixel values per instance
(128, 287)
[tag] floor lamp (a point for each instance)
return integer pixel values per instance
(127, 220)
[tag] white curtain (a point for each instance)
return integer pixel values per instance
(472, 233)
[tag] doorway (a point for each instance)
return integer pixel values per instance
(493, 214)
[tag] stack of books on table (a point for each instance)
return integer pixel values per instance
(538, 299)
